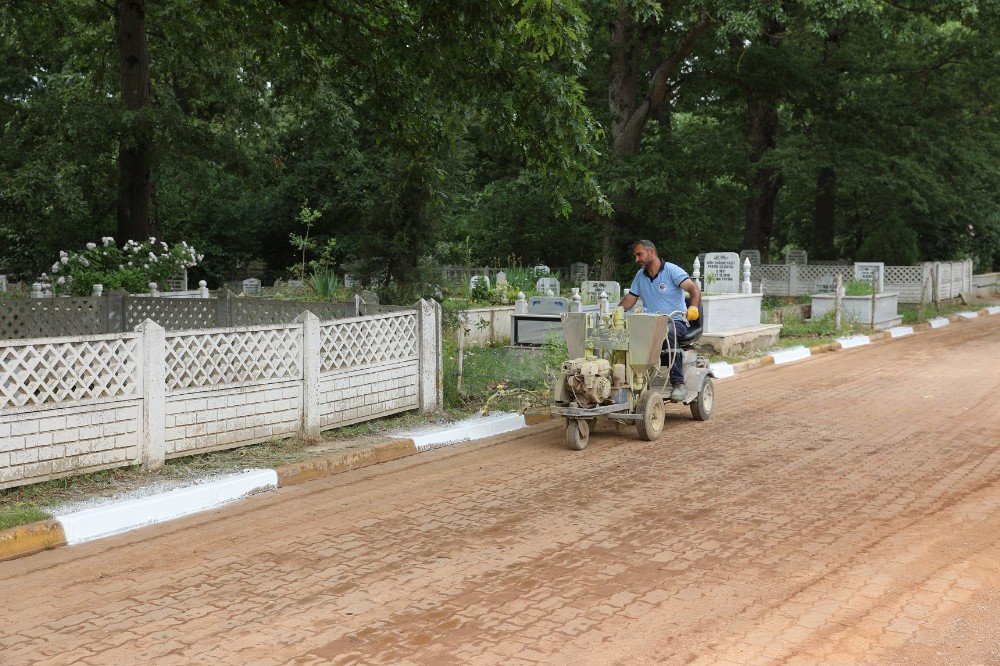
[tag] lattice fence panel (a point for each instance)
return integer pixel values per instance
(259, 312)
(222, 357)
(381, 339)
(173, 314)
(904, 275)
(50, 317)
(775, 272)
(47, 373)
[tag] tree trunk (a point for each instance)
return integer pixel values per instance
(630, 112)
(765, 181)
(825, 214)
(136, 140)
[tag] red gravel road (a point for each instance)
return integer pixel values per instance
(840, 509)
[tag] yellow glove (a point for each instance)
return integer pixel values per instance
(692, 313)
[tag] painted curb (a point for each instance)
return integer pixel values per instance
(30, 539)
(487, 427)
(798, 353)
(89, 524)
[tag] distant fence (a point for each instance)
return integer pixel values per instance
(119, 312)
(914, 284)
(76, 404)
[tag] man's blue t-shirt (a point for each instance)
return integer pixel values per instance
(663, 293)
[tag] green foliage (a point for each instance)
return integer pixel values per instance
(323, 282)
(858, 288)
(895, 245)
(132, 267)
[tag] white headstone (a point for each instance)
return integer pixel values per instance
(591, 290)
(825, 285)
(547, 284)
(752, 255)
(251, 287)
(296, 283)
(799, 257)
(548, 305)
(3, 283)
(501, 278)
(541, 269)
(722, 273)
(863, 270)
(479, 279)
(349, 281)
(578, 272)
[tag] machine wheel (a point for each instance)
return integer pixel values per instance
(701, 408)
(653, 415)
(577, 434)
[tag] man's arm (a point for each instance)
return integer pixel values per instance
(629, 299)
(692, 288)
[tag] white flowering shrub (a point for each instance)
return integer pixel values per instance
(131, 267)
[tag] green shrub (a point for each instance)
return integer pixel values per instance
(858, 288)
(131, 267)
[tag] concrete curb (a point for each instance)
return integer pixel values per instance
(30, 539)
(318, 468)
(801, 353)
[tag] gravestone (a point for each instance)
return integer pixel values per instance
(349, 281)
(548, 305)
(825, 285)
(541, 269)
(799, 257)
(479, 279)
(590, 291)
(251, 287)
(722, 273)
(3, 283)
(501, 278)
(296, 283)
(578, 272)
(864, 270)
(753, 256)
(545, 284)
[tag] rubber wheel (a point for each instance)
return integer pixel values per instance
(701, 408)
(577, 434)
(653, 415)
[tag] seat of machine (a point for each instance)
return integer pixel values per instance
(694, 332)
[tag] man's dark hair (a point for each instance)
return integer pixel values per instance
(648, 244)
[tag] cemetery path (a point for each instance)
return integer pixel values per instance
(842, 509)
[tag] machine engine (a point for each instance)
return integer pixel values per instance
(589, 382)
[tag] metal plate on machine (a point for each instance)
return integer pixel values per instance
(608, 339)
(646, 333)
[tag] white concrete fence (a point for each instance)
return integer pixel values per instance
(924, 283)
(80, 404)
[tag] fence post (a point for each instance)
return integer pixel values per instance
(429, 385)
(223, 313)
(793, 279)
(311, 366)
(838, 292)
(114, 311)
(152, 427)
(936, 287)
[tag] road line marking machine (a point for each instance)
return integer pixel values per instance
(618, 370)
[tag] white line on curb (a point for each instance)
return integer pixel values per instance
(993, 309)
(477, 429)
(791, 354)
(107, 520)
(938, 322)
(853, 341)
(900, 331)
(968, 315)
(721, 369)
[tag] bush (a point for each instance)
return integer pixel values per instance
(858, 288)
(131, 268)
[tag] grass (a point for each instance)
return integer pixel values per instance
(21, 514)
(498, 374)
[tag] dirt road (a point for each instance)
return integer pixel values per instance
(844, 509)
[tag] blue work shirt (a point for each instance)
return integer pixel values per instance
(662, 294)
